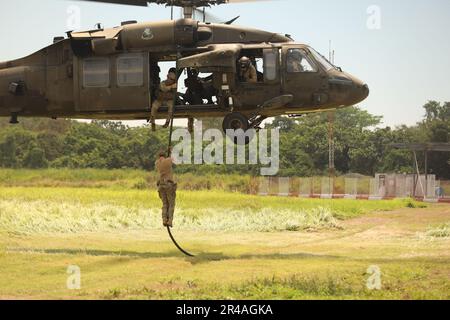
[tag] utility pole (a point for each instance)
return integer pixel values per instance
(331, 162)
(331, 149)
(329, 50)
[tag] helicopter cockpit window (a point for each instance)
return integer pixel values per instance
(130, 70)
(297, 62)
(96, 72)
(322, 60)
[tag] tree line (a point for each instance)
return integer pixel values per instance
(361, 144)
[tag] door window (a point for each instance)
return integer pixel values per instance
(130, 70)
(96, 73)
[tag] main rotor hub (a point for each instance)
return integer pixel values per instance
(191, 3)
(189, 6)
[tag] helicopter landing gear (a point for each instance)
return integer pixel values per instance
(239, 125)
(235, 121)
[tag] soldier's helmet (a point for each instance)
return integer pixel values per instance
(245, 62)
(162, 153)
(172, 73)
(295, 55)
(194, 72)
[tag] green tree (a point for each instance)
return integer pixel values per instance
(8, 152)
(35, 159)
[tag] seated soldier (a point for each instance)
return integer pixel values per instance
(247, 72)
(194, 87)
(294, 62)
(165, 97)
(198, 88)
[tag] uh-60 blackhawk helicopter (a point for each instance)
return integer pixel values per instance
(112, 73)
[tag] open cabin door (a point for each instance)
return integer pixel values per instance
(118, 83)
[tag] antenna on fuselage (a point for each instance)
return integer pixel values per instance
(331, 53)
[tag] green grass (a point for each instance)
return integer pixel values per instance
(70, 210)
(442, 231)
(246, 246)
(139, 179)
(121, 179)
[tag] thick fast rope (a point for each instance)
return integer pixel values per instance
(177, 245)
(169, 153)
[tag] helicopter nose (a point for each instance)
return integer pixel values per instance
(359, 92)
(365, 91)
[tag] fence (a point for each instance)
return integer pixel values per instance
(382, 186)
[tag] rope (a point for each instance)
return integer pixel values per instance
(177, 245)
(169, 152)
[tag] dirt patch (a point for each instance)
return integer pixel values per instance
(406, 219)
(397, 223)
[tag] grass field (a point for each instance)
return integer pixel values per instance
(246, 247)
(139, 179)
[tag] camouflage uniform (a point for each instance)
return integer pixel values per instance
(167, 189)
(167, 90)
(295, 66)
(249, 75)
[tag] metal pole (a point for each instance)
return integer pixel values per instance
(426, 173)
(331, 159)
(169, 149)
(414, 174)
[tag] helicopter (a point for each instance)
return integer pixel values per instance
(112, 73)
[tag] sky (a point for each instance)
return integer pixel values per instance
(401, 48)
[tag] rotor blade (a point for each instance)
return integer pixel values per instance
(243, 1)
(141, 3)
(208, 17)
(179, 3)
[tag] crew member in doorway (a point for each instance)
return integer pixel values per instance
(194, 87)
(155, 80)
(165, 97)
(167, 188)
(247, 71)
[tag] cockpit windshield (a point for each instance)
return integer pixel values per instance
(322, 60)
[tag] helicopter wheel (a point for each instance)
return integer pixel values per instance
(237, 121)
